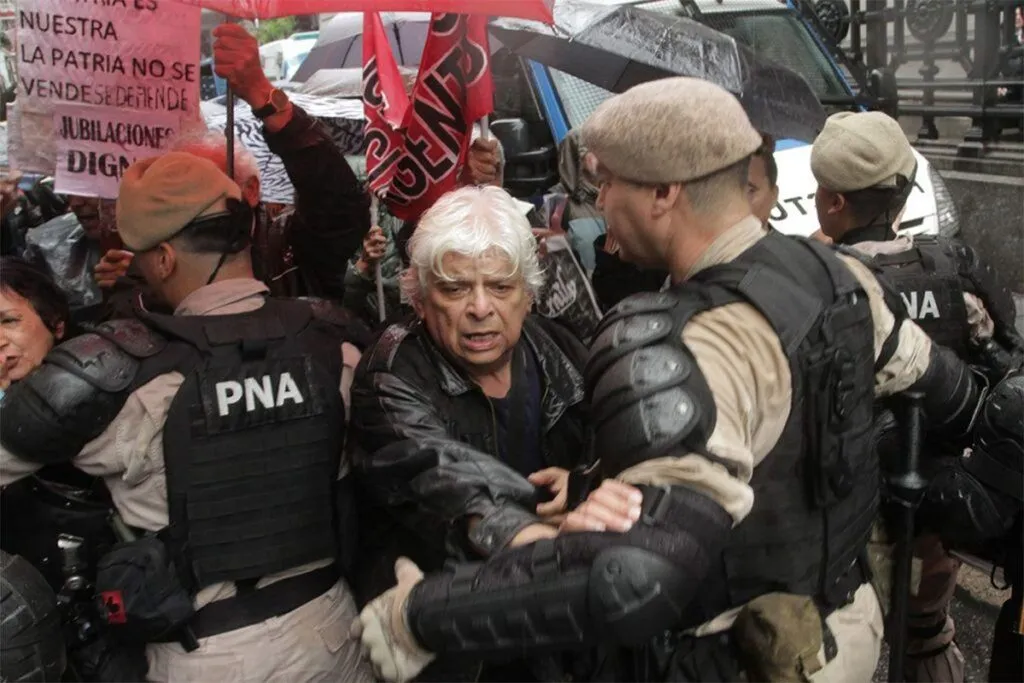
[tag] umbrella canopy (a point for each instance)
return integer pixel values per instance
(343, 119)
(539, 10)
(340, 45)
(617, 47)
(345, 83)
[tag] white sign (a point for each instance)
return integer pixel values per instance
(96, 144)
(132, 56)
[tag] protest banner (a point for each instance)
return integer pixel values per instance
(138, 56)
(567, 295)
(96, 144)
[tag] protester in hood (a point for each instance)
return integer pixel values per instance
(34, 315)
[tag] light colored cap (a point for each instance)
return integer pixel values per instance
(670, 130)
(855, 151)
(161, 195)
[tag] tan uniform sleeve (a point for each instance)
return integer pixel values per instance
(748, 373)
(909, 361)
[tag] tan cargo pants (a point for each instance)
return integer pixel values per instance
(310, 643)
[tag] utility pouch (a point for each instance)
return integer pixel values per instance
(780, 636)
(140, 593)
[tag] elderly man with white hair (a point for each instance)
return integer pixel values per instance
(468, 418)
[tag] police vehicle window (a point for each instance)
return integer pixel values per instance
(777, 35)
(579, 98)
(513, 97)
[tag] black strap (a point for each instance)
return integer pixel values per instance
(255, 606)
(518, 395)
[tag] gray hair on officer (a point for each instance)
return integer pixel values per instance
(472, 222)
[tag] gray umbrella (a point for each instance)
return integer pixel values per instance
(340, 45)
(617, 47)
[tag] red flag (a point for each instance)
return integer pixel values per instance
(385, 103)
(453, 89)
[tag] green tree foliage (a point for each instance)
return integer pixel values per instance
(275, 29)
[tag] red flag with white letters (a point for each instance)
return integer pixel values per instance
(385, 102)
(453, 90)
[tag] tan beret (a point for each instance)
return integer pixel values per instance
(159, 196)
(855, 151)
(671, 130)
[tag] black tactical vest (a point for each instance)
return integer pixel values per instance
(928, 280)
(252, 441)
(816, 493)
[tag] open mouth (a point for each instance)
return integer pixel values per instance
(480, 341)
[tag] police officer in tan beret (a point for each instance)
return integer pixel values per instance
(733, 418)
(218, 432)
(865, 169)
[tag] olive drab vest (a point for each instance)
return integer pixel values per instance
(252, 441)
(928, 280)
(816, 493)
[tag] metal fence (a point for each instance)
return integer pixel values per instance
(951, 59)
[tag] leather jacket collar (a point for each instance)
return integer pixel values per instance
(563, 383)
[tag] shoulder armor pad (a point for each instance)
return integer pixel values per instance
(68, 401)
(647, 394)
(381, 356)
(108, 357)
(132, 336)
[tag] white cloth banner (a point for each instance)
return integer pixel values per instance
(128, 56)
(96, 144)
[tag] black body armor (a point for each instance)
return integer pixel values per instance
(927, 278)
(816, 493)
(252, 440)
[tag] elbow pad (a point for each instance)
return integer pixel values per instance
(577, 589)
(953, 393)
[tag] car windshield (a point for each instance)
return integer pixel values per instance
(779, 36)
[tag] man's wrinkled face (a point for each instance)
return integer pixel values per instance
(627, 209)
(87, 210)
(476, 312)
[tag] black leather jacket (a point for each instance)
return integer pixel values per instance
(426, 450)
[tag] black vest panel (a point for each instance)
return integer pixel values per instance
(816, 493)
(927, 278)
(253, 441)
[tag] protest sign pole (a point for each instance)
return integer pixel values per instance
(229, 125)
(382, 313)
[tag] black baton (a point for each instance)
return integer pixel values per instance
(906, 485)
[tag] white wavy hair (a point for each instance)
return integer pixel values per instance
(472, 222)
(214, 144)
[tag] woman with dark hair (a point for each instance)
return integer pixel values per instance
(34, 315)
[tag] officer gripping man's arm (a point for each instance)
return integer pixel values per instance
(761, 364)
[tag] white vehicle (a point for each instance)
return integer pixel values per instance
(294, 51)
(775, 30)
(272, 59)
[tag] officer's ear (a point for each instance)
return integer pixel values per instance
(166, 260)
(665, 197)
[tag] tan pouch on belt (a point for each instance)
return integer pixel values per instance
(780, 636)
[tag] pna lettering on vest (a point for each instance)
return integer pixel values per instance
(263, 391)
(919, 309)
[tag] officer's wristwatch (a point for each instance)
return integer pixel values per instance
(275, 104)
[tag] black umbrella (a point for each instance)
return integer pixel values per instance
(340, 44)
(617, 47)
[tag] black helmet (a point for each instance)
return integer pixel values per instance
(31, 642)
